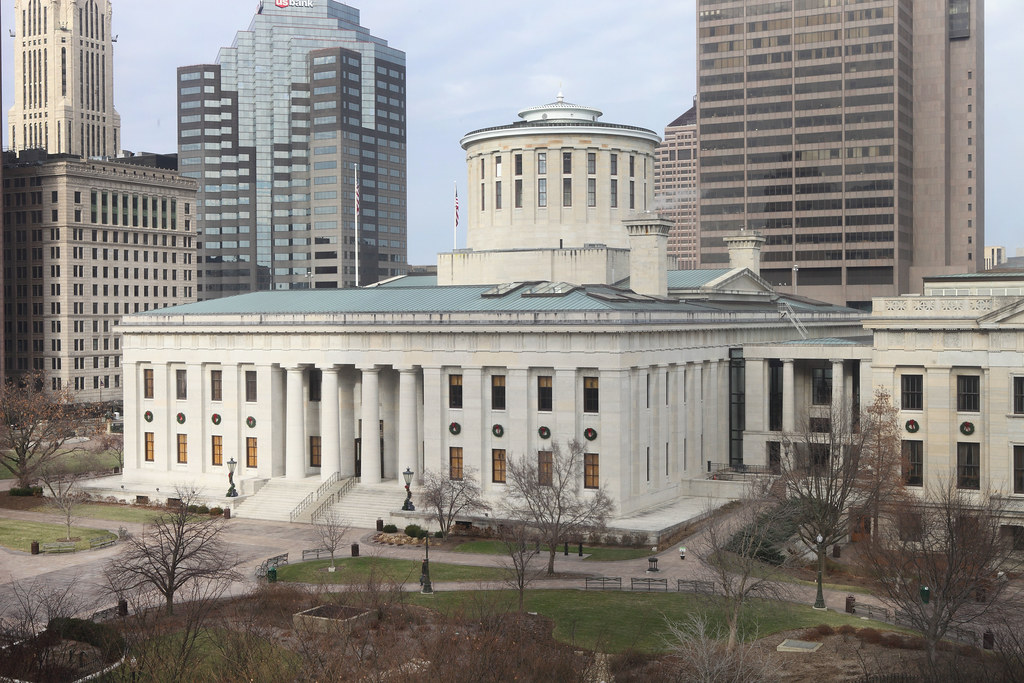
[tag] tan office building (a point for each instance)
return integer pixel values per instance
(851, 136)
(675, 187)
(84, 243)
(64, 77)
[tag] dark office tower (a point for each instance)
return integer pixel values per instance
(273, 132)
(851, 134)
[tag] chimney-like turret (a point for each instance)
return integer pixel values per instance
(745, 251)
(648, 254)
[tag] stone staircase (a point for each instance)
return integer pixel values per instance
(276, 500)
(363, 504)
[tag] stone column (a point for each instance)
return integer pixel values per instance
(330, 429)
(408, 428)
(387, 386)
(347, 425)
(295, 431)
(840, 401)
(788, 396)
(370, 434)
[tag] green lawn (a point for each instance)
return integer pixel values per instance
(603, 554)
(613, 621)
(114, 513)
(78, 462)
(354, 570)
(18, 535)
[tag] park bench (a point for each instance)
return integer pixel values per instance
(275, 561)
(691, 586)
(872, 612)
(604, 583)
(649, 585)
(314, 554)
(102, 542)
(58, 547)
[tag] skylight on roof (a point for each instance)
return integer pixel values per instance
(550, 289)
(502, 290)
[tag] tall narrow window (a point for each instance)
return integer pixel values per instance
(542, 163)
(147, 383)
(1018, 469)
(217, 450)
(498, 465)
(912, 392)
(182, 448)
(454, 391)
(250, 451)
(497, 195)
(591, 395)
(566, 163)
(566, 191)
(150, 446)
(519, 193)
(250, 386)
(913, 463)
(518, 162)
(591, 191)
(1018, 395)
(591, 471)
(614, 163)
(591, 163)
(216, 385)
(498, 392)
(545, 467)
(968, 465)
(542, 192)
(314, 451)
(614, 194)
(316, 378)
(455, 463)
(544, 393)
(968, 393)
(181, 382)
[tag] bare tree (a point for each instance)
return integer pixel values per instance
(551, 497)
(177, 550)
(331, 528)
(447, 498)
(112, 443)
(35, 424)
(949, 542)
(63, 492)
(702, 657)
(881, 480)
(733, 551)
(520, 552)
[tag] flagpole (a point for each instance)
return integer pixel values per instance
(455, 230)
(357, 223)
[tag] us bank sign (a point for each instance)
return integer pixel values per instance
(293, 3)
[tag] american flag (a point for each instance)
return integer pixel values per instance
(456, 207)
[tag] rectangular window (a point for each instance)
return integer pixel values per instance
(1018, 469)
(150, 447)
(216, 385)
(518, 162)
(182, 449)
(455, 392)
(250, 386)
(614, 164)
(217, 450)
(542, 163)
(913, 463)
(314, 451)
(545, 467)
(968, 393)
(566, 191)
(455, 463)
(821, 386)
(591, 471)
(591, 191)
(968, 466)
(519, 193)
(147, 383)
(498, 465)
(566, 163)
(544, 394)
(614, 194)
(250, 451)
(497, 195)
(912, 392)
(181, 383)
(591, 402)
(542, 192)
(632, 194)
(498, 392)
(591, 163)
(1018, 395)
(316, 380)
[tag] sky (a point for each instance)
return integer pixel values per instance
(473, 64)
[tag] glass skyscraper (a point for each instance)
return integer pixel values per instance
(273, 132)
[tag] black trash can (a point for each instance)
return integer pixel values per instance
(272, 575)
(836, 552)
(355, 550)
(380, 525)
(851, 604)
(227, 513)
(35, 547)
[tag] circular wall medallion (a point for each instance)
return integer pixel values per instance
(148, 416)
(180, 417)
(454, 428)
(967, 428)
(589, 433)
(251, 421)
(912, 426)
(544, 433)
(498, 430)
(215, 418)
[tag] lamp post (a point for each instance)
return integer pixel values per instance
(425, 573)
(819, 602)
(407, 505)
(232, 492)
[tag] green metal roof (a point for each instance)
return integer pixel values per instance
(692, 279)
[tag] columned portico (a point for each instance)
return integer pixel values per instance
(295, 433)
(370, 433)
(330, 424)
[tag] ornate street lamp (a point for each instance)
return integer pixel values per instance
(425, 573)
(407, 505)
(819, 602)
(232, 492)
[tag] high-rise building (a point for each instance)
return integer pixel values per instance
(850, 135)
(675, 187)
(273, 132)
(64, 79)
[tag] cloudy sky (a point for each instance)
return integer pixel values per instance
(475, 64)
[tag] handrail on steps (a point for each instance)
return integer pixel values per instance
(308, 500)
